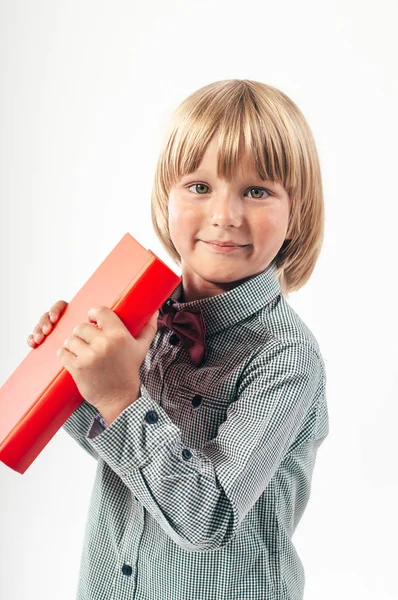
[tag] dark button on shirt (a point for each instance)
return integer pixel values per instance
(186, 454)
(196, 401)
(151, 416)
(174, 339)
(127, 570)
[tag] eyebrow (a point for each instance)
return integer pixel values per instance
(199, 173)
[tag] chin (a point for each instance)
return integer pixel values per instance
(214, 275)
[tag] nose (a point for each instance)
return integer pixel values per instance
(225, 209)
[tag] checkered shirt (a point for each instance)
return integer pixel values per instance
(202, 481)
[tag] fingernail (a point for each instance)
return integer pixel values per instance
(53, 317)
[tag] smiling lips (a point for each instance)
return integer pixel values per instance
(224, 246)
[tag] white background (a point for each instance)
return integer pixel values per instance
(86, 90)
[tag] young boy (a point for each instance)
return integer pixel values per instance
(204, 470)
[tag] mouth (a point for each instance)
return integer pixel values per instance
(225, 244)
(226, 247)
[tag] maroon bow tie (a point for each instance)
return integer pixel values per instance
(189, 326)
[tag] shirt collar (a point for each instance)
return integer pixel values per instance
(235, 305)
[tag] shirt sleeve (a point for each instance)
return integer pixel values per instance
(223, 480)
(79, 423)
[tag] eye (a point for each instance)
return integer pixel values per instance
(261, 190)
(250, 189)
(197, 184)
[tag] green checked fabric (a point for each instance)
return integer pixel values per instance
(202, 481)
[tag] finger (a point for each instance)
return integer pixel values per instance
(75, 345)
(46, 321)
(86, 331)
(31, 341)
(149, 330)
(102, 315)
(45, 324)
(38, 335)
(43, 328)
(67, 358)
(56, 310)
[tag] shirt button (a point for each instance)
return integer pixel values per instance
(151, 417)
(174, 339)
(127, 570)
(196, 401)
(186, 454)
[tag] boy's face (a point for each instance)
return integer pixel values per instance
(203, 208)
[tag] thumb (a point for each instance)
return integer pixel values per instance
(147, 333)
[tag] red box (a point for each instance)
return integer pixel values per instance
(40, 395)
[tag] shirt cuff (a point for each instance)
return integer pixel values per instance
(98, 425)
(135, 436)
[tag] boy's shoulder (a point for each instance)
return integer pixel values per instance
(282, 325)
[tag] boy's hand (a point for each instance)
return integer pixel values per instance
(104, 361)
(46, 322)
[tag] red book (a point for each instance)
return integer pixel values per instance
(40, 395)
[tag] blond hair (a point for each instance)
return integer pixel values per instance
(271, 129)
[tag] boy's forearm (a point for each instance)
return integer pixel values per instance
(111, 411)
